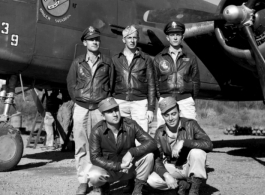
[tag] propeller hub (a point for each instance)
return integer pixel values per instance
(234, 14)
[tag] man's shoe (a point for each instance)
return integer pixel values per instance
(138, 187)
(129, 187)
(183, 186)
(195, 185)
(102, 190)
(82, 189)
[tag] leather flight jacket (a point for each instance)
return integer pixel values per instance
(135, 81)
(107, 153)
(180, 80)
(193, 136)
(88, 90)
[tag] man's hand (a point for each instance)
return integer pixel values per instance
(171, 182)
(104, 178)
(126, 162)
(150, 116)
(176, 149)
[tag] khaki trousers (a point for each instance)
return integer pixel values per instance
(195, 165)
(141, 170)
(135, 110)
(84, 120)
(48, 126)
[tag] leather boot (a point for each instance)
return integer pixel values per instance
(195, 185)
(102, 190)
(129, 187)
(183, 186)
(138, 187)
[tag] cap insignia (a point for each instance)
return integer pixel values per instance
(174, 24)
(91, 30)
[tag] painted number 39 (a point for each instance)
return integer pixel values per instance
(14, 38)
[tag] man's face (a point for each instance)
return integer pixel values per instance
(92, 44)
(171, 117)
(112, 116)
(131, 40)
(175, 38)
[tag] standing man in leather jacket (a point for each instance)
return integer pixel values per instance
(177, 72)
(89, 81)
(181, 155)
(113, 152)
(134, 88)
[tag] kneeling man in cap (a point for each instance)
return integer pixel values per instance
(113, 152)
(181, 155)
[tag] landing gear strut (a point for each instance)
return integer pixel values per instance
(11, 144)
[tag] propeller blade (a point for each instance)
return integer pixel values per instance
(182, 15)
(260, 62)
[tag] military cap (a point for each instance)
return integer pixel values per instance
(89, 33)
(166, 104)
(174, 26)
(129, 30)
(107, 104)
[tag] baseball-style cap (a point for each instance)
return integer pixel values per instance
(89, 33)
(166, 104)
(129, 30)
(174, 26)
(107, 104)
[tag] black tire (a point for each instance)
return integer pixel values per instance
(11, 147)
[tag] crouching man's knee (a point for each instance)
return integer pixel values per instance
(196, 154)
(97, 176)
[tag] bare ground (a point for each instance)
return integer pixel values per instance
(235, 167)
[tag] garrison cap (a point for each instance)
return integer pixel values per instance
(174, 26)
(107, 104)
(129, 30)
(89, 33)
(166, 104)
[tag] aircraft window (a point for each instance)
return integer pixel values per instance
(14, 40)
(6, 28)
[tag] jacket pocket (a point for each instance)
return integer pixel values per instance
(163, 78)
(119, 84)
(105, 88)
(142, 79)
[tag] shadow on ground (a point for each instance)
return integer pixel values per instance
(253, 148)
(54, 156)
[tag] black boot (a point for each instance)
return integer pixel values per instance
(138, 187)
(195, 185)
(183, 186)
(129, 187)
(102, 190)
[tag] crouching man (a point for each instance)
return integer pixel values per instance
(181, 155)
(113, 152)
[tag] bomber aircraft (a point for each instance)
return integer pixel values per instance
(40, 38)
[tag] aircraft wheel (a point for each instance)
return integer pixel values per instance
(11, 147)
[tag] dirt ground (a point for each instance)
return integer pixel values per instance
(235, 167)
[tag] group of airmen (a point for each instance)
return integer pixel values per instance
(116, 100)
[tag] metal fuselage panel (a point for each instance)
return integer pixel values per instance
(17, 35)
(49, 36)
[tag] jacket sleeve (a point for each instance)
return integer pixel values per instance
(148, 144)
(151, 85)
(195, 76)
(200, 140)
(111, 75)
(96, 156)
(159, 166)
(71, 80)
(157, 77)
